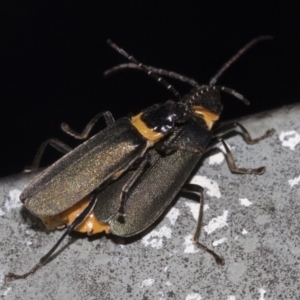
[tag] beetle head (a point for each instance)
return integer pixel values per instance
(205, 97)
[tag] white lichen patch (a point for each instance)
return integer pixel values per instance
(189, 247)
(205, 182)
(289, 139)
(193, 296)
(13, 200)
(217, 223)
(173, 214)
(245, 202)
(155, 237)
(6, 292)
(244, 231)
(219, 242)
(28, 243)
(147, 282)
(294, 181)
(262, 294)
(219, 157)
(161, 295)
(194, 207)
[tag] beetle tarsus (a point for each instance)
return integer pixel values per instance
(219, 259)
(12, 276)
(258, 171)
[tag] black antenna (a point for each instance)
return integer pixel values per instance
(145, 69)
(214, 79)
(232, 92)
(163, 72)
(150, 70)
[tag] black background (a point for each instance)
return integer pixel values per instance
(53, 55)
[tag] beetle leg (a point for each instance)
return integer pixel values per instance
(57, 144)
(109, 119)
(45, 259)
(167, 150)
(227, 128)
(128, 185)
(194, 188)
(221, 131)
(232, 166)
(228, 63)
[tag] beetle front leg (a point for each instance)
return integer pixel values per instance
(232, 166)
(230, 127)
(57, 144)
(109, 119)
(193, 188)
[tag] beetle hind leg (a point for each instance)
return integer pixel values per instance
(193, 188)
(57, 144)
(48, 256)
(109, 119)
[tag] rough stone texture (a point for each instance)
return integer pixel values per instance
(257, 229)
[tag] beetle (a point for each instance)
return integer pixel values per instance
(58, 191)
(166, 176)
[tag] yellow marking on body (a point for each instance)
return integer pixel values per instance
(144, 130)
(209, 117)
(118, 174)
(91, 225)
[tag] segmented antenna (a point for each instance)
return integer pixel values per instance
(151, 70)
(145, 69)
(163, 72)
(232, 93)
(214, 79)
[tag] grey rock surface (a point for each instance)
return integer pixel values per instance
(251, 220)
